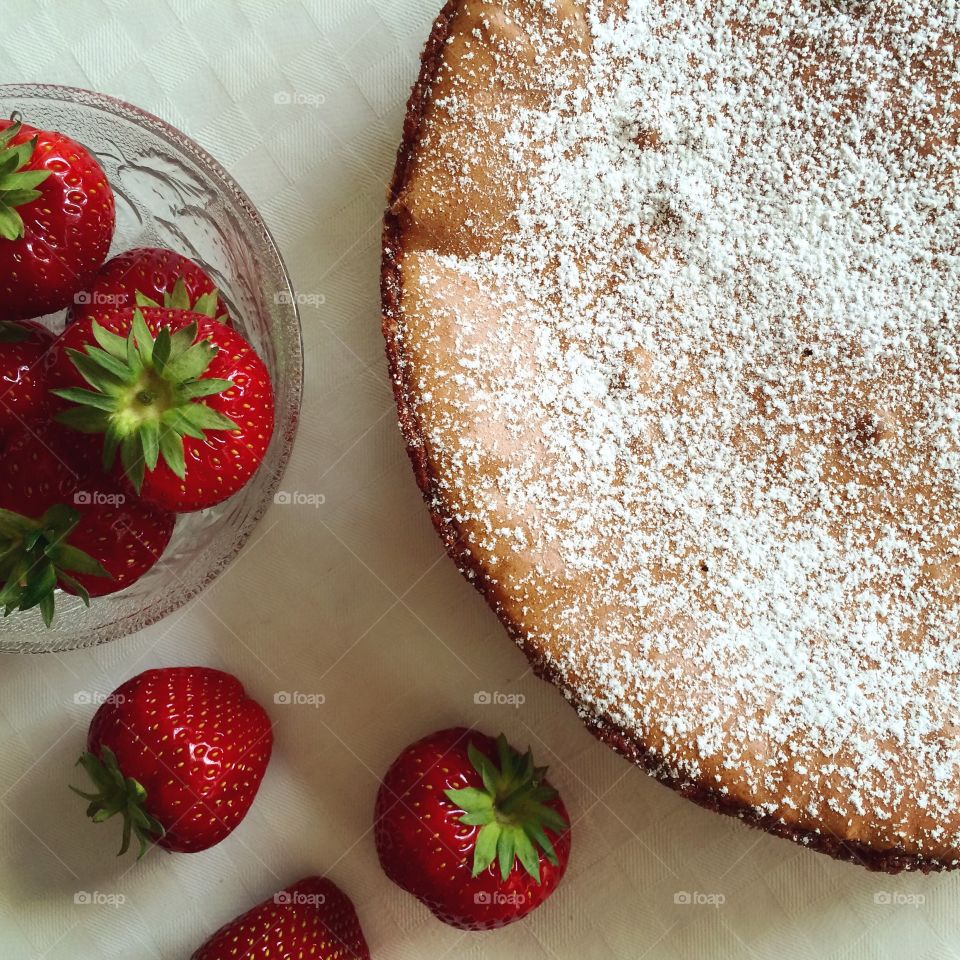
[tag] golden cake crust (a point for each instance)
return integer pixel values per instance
(408, 390)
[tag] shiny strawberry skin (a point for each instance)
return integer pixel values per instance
(23, 388)
(41, 466)
(311, 919)
(196, 743)
(125, 535)
(151, 271)
(222, 463)
(44, 465)
(68, 229)
(426, 850)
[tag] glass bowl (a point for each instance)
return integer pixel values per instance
(171, 193)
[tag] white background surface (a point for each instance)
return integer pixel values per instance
(354, 600)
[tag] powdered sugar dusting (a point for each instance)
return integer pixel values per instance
(725, 376)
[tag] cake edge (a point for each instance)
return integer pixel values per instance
(890, 860)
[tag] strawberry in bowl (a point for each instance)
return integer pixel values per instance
(63, 528)
(180, 405)
(57, 219)
(170, 198)
(24, 346)
(151, 277)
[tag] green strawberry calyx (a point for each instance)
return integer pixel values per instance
(144, 396)
(115, 794)
(511, 810)
(18, 186)
(35, 558)
(12, 332)
(179, 299)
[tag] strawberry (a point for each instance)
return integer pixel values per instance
(125, 536)
(40, 467)
(184, 400)
(151, 277)
(89, 542)
(23, 393)
(180, 754)
(471, 828)
(57, 219)
(313, 918)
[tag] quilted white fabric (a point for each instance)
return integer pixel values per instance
(344, 592)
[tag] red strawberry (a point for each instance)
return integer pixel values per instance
(472, 829)
(40, 467)
(37, 486)
(124, 535)
(185, 401)
(313, 918)
(58, 529)
(151, 277)
(57, 220)
(180, 754)
(23, 392)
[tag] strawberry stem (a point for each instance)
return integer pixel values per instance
(511, 810)
(145, 395)
(118, 794)
(35, 558)
(11, 332)
(179, 299)
(18, 186)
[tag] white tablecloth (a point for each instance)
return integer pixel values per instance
(353, 599)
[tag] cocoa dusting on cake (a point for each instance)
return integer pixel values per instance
(681, 381)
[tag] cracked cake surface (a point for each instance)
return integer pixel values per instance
(669, 295)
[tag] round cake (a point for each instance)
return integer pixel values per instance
(670, 293)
